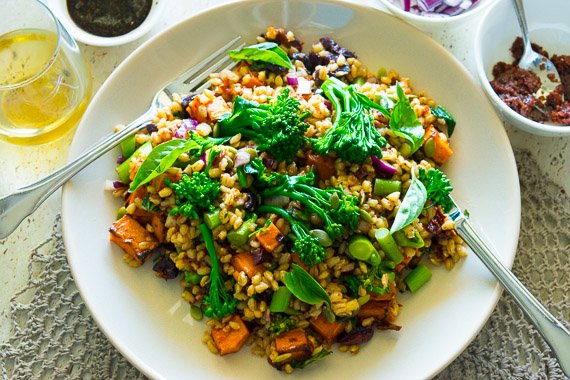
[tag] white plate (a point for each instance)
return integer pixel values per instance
(145, 317)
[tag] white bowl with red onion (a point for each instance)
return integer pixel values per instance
(433, 15)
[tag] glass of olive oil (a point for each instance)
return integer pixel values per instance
(45, 84)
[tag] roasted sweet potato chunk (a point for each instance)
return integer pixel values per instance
(270, 237)
(324, 165)
(374, 308)
(295, 342)
(157, 223)
(229, 339)
(133, 238)
(329, 331)
(243, 262)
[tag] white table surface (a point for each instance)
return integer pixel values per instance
(22, 165)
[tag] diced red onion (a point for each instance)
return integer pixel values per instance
(242, 158)
(292, 81)
(118, 185)
(429, 5)
(436, 8)
(466, 4)
(328, 104)
(452, 3)
(381, 167)
(453, 11)
(304, 86)
(121, 159)
(185, 126)
(441, 8)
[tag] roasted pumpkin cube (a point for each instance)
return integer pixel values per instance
(230, 338)
(329, 331)
(295, 342)
(133, 238)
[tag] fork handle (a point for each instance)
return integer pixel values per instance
(14, 208)
(552, 330)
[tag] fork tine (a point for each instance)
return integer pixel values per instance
(203, 76)
(199, 86)
(199, 68)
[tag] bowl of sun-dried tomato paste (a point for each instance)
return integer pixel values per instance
(513, 91)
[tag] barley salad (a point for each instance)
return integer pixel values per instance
(294, 199)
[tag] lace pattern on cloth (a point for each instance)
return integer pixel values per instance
(54, 336)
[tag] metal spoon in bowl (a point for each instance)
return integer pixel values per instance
(534, 62)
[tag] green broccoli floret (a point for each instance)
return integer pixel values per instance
(343, 208)
(217, 303)
(196, 193)
(352, 135)
(310, 251)
(336, 208)
(438, 188)
(277, 127)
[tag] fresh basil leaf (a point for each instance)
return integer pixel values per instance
(404, 121)
(304, 286)
(160, 158)
(441, 113)
(370, 104)
(268, 52)
(411, 206)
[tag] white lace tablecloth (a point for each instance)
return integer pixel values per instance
(47, 332)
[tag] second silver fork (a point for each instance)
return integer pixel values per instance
(14, 208)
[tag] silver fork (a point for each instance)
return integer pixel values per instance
(552, 330)
(15, 207)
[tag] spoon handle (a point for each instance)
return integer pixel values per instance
(553, 331)
(519, 10)
(17, 206)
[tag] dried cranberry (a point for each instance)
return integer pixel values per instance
(359, 335)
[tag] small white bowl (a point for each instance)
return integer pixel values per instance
(432, 23)
(59, 8)
(549, 27)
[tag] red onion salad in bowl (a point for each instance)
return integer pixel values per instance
(433, 15)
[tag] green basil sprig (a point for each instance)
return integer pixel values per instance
(268, 52)
(305, 287)
(162, 157)
(411, 206)
(404, 121)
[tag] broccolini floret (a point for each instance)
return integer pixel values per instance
(308, 247)
(196, 193)
(335, 208)
(218, 302)
(353, 135)
(277, 127)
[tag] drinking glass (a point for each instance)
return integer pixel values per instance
(45, 84)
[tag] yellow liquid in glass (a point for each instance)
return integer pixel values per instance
(43, 96)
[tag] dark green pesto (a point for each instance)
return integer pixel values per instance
(108, 18)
